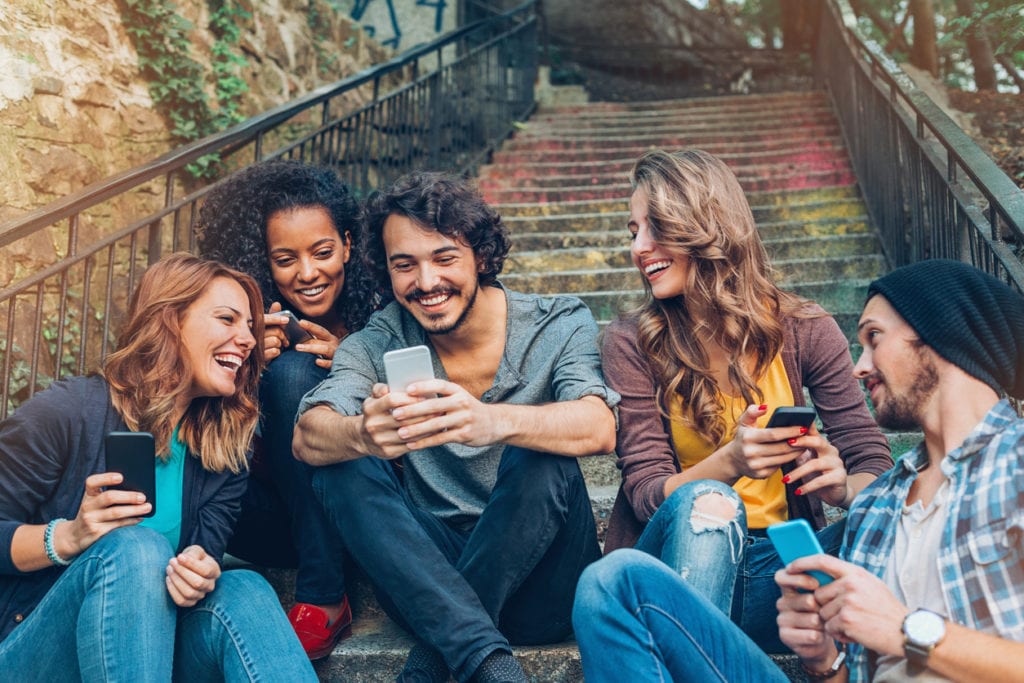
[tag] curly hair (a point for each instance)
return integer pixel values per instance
(443, 202)
(149, 371)
(232, 227)
(696, 207)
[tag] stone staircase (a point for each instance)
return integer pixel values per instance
(560, 184)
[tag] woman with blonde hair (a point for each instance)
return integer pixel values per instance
(94, 583)
(713, 349)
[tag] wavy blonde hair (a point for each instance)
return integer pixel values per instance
(149, 372)
(697, 208)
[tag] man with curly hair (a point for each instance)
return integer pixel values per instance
(480, 544)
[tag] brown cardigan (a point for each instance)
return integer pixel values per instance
(815, 354)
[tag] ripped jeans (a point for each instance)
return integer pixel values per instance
(721, 560)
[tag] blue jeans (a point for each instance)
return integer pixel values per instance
(281, 523)
(109, 617)
(732, 567)
(634, 614)
(467, 594)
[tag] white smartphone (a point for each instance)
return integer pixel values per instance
(402, 367)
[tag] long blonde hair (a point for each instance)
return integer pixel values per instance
(697, 208)
(149, 371)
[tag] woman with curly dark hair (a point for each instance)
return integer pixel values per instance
(295, 229)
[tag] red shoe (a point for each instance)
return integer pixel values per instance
(310, 624)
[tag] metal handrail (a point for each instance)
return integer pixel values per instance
(443, 105)
(930, 190)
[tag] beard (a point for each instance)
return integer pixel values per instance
(436, 324)
(901, 412)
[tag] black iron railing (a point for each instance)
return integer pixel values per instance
(444, 105)
(930, 190)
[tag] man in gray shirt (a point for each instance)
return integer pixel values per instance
(483, 542)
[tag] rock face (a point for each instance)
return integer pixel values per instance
(74, 107)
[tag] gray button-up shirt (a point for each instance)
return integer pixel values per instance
(551, 355)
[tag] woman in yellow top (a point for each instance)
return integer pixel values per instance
(714, 348)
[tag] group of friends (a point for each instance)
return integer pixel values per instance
(461, 497)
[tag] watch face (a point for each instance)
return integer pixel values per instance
(924, 627)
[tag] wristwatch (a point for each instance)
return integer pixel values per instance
(922, 631)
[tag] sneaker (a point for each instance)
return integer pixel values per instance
(310, 624)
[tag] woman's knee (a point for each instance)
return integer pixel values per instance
(705, 504)
(286, 380)
(134, 548)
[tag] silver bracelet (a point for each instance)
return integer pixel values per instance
(51, 552)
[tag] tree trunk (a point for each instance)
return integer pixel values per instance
(979, 48)
(894, 34)
(800, 19)
(925, 53)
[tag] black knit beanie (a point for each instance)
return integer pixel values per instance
(969, 317)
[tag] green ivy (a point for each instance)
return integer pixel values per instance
(176, 80)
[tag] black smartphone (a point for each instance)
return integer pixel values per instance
(133, 454)
(792, 416)
(295, 332)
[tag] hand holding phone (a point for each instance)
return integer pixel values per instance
(792, 416)
(295, 332)
(794, 539)
(133, 454)
(402, 367)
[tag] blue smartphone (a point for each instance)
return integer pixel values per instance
(794, 539)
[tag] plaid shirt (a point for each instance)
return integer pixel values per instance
(981, 559)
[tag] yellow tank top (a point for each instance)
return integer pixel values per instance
(765, 499)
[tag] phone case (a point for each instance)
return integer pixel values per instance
(794, 539)
(792, 416)
(293, 330)
(133, 454)
(402, 367)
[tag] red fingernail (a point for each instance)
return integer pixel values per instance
(803, 430)
(799, 492)
(785, 479)
(762, 407)
(791, 442)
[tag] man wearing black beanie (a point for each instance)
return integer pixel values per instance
(933, 581)
(929, 585)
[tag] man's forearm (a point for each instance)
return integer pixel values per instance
(574, 428)
(324, 437)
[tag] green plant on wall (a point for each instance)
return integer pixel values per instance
(177, 81)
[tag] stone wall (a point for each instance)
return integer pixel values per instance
(75, 109)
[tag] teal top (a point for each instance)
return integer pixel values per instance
(169, 483)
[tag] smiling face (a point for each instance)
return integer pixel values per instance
(216, 334)
(897, 369)
(665, 271)
(307, 261)
(433, 277)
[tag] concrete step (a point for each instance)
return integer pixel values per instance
(792, 271)
(782, 181)
(766, 206)
(829, 150)
(617, 256)
(632, 146)
(794, 100)
(675, 124)
(591, 176)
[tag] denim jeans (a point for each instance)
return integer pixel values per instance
(281, 523)
(731, 567)
(637, 619)
(467, 594)
(109, 617)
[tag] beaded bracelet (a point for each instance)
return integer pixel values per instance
(51, 552)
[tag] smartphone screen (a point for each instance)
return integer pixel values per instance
(794, 539)
(792, 416)
(133, 454)
(402, 367)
